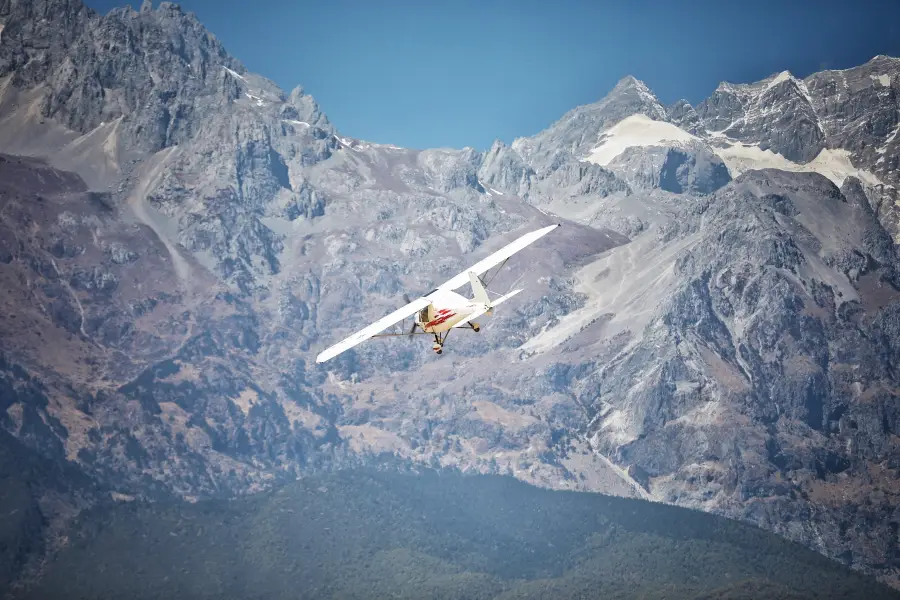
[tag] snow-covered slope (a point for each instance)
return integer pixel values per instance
(833, 164)
(636, 130)
(839, 124)
(579, 130)
(640, 131)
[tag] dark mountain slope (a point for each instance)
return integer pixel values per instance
(361, 534)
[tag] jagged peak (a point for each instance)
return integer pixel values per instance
(171, 7)
(681, 103)
(628, 80)
(752, 88)
(632, 82)
(725, 86)
(773, 80)
(880, 59)
(629, 87)
(497, 145)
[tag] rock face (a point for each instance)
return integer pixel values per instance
(575, 133)
(716, 325)
(691, 168)
(776, 113)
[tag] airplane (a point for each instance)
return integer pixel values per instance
(442, 310)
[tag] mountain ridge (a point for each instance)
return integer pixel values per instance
(701, 336)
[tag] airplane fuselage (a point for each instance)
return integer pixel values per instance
(447, 309)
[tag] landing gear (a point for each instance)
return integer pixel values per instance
(475, 327)
(438, 345)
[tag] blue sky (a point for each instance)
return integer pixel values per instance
(422, 74)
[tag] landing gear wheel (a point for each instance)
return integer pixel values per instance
(476, 327)
(438, 345)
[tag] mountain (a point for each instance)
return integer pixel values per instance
(365, 534)
(715, 326)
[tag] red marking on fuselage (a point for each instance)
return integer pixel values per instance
(441, 319)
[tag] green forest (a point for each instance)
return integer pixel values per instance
(389, 534)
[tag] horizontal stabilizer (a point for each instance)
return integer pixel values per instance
(475, 315)
(502, 299)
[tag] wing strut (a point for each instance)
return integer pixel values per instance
(376, 327)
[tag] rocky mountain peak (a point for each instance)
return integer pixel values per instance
(633, 90)
(749, 113)
(303, 108)
(683, 114)
(882, 61)
(497, 146)
(733, 353)
(630, 96)
(578, 131)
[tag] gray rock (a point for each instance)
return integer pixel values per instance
(573, 135)
(852, 110)
(689, 168)
(685, 116)
(776, 113)
(761, 334)
(729, 344)
(504, 169)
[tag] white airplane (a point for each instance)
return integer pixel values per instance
(442, 309)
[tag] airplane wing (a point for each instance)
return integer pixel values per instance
(497, 257)
(379, 325)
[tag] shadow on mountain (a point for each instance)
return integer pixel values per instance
(368, 534)
(36, 494)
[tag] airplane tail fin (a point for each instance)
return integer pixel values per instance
(478, 290)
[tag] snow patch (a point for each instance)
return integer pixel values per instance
(496, 191)
(357, 145)
(887, 141)
(884, 80)
(781, 77)
(805, 91)
(235, 74)
(636, 130)
(833, 164)
(293, 122)
(259, 101)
